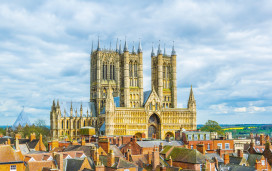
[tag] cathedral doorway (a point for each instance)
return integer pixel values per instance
(154, 125)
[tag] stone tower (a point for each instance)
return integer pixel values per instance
(163, 74)
(120, 70)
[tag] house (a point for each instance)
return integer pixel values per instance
(189, 159)
(11, 159)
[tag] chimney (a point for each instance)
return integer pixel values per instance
(104, 143)
(267, 138)
(17, 143)
(161, 146)
(258, 165)
(219, 152)
(18, 136)
(59, 160)
(95, 155)
(8, 143)
(240, 153)
(32, 136)
(201, 148)
(111, 159)
(267, 145)
(226, 158)
(128, 155)
(251, 135)
(114, 140)
(155, 158)
(83, 142)
(262, 140)
(162, 168)
(251, 146)
(40, 143)
(134, 139)
(149, 158)
(170, 162)
(119, 141)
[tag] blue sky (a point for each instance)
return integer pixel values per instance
(224, 50)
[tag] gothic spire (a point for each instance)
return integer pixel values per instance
(120, 48)
(125, 46)
(191, 97)
(117, 46)
(173, 49)
(159, 48)
(133, 48)
(98, 45)
(54, 103)
(152, 52)
(140, 47)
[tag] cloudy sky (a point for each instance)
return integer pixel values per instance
(224, 50)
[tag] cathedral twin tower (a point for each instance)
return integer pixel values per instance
(118, 104)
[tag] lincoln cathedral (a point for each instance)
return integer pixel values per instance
(119, 105)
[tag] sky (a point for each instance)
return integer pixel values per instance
(224, 50)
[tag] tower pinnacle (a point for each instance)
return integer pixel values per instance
(120, 48)
(191, 97)
(159, 48)
(125, 46)
(98, 45)
(133, 48)
(164, 51)
(140, 47)
(152, 52)
(173, 49)
(117, 46)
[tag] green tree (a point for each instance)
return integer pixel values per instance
(212, 126)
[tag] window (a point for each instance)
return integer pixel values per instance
(192, 147)
(207, 137)
(195, 137)
(190, 137)
(208, 148)
(263, 162)
(201, 137)
(219, 145)
(12, 167)
(227, 146)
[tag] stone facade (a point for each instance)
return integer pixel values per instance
(119, 106)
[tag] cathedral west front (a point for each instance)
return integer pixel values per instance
(119, 105)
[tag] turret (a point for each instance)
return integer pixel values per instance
(160, 73)
(140, 47)
(120, 48)
(71, 110)
(81, 110)
(191, 102)
(133, 49)
(126, 76)
(98, 45)
(174, 77)
(152, 52)
(117, 50)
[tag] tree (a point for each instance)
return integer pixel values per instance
(212, 126)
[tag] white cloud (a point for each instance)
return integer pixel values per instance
(224, 51)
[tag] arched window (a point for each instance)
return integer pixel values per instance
(113, 73)
(130, 69)
(84, 123)
(135, 70)
(67, 125)
(62, 123)
(78, 124)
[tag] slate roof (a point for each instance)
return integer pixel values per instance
(24, 149)
(184, 155)
(32, 144)
(85, 149)
(214, 155)
(157, 143)
(119, 162)
(72, 164)
(233, 167)
(252, 159)
(103, 127)
(146, 95)
(116, 151)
